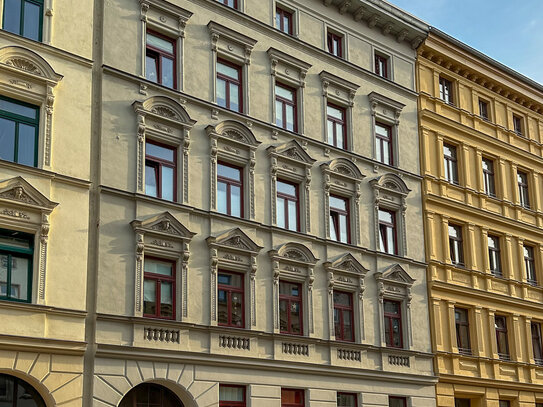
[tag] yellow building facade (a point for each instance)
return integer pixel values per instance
(482, 163)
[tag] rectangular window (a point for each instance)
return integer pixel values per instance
(529, 264)
(387, 232)
(383, 142)
(393, 324)
(230, 3)
(462, 330)
(456, 245)
(230, 299)
(536, 343)
(229, 189)
(494, 257)
(451, 163)
(517, 125)
(488, 177)
(160, 171)
(287, 206)
(160, 59)
(231, 396)
(501, 337)
(483, 109)
(339, 219)
(445, 90)
(335, 119)
(24, 17)
(381, 65)
(284, 21)
(159, 288)
(16, 253)
(229, 86)
(397, 401)
(286, 110)
(343, 316)
(346, 400)
(335, 46)
(19, 124)
(505, 403)
(462, 402)
(290, 308)
(523, 193)
(292, 398)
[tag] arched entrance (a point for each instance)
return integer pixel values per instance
(150, 395)
(15, 392)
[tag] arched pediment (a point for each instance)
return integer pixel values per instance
(234, 238)
(343, 166)
(28, 62)
(297, 252)
(164, 223)
(167, 108)
(391, 182)
(235, 131)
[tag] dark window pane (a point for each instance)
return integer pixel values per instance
(26, 148)
(12, 16)
(149, 297)
(18, 109)
(231, 393)
(7, 140)
(167, 183)
(32, 14)
(166, 299)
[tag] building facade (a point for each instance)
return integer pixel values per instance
(483, 224)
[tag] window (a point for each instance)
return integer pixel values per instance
(287, 206)
(284, 21)
(24, 17)
(229, 86)
(160, 59)
(286, 107)
(445, 90)
(387, 232)
(501, 337)
(290, 308)
(292, 398)
(346, 400)
(462, 330)
(231, 396)
(230, 3)
(517, 125)
(462, 402)
(383, 141)
(339, 219)
(536, 343)
(230, 299)
(393, 324)
(160, 171)
(159, 288)
(229, 189)
(456, 246)
(16, 252)
(343, 316)
(397, 401)
(483, 109)
(19, 132)
(523, 193)
(451, 163)
(494, 258)
(335, 119)
(150, 395)
(15, 392)
(529, 264)
(488, 177)
(335, 46)
(381, 65)
(505, 403)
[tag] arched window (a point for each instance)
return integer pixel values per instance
(150, 395)
(16, 392)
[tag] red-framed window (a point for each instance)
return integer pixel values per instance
(456, 245)
(230, 3)
(343, 316)
(335, 44)
(232, 396)
(463, 342)
(229, 86)
(494, 256)
(517, 124)
(451, 163)
(383, 141)
(288, 205)
(337, 126)
(290, 308)
(339, 219)
(529, 264)
(395, 401)
(159, 288)
(502, 340)
(347, 400)
(483, 109)
(523, 192)
(488, 176)
(160, 60)
(229, 189)
(286, 110)
(445, 90)
(393, 323)
(388, 239)
(536, 343)
(292, 398)
(160, 171)
(230, 293)
(381, 65)
(284, 20)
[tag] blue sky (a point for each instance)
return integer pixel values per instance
(508, 31)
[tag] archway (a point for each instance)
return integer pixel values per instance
(15, 392)
(150, 395)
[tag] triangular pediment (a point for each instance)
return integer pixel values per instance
(397, 274)
(293, 151)
(21, 192)
(348, 263)
(164, 223)
(236, 239)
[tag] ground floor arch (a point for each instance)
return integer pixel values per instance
(16, 392)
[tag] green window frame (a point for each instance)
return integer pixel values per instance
(14, 151)
(15, 247)
(22, 9)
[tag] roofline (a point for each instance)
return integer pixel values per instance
(401, 14)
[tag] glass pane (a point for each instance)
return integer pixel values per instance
(390, 240)
(396, 333)
(151, 70)
(149, 297)
(291, 396)
(221, 197)
(342, 299)
(338, 203)
(385, 216)
(234, 97)
(167, 183)
(286, 288)
(18, 109)
(233, 280)
(454, 231)
(333, 226)
(19, 278)
(295, 321)
(343, 235)
(283, 316)
(12, 16)
(26, 150)
(378, 152)
(330, 130)
(228, 71)
(381, 130)
(158, 267)
(284, 93)
(279, 113)
(392, 307)
(7, 140)
(3, 275)
(346, 400)
(235, 201)
(221, 92)
(287, 189)
(222, 303)
(290, 117)
(292, 216)
(382, 238)
(281, 212)
(337, 322)
(151, 180)
(159, 43)
(237, 309)
(339, 135)
(286, 24)
(230, 393)
(277, 20)
(334, 112)
(347, 327)
(228, 172)
(396, 402)
(31, 28)
(163, 153)
(167, 72)
(166, 299)
(386, 153)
